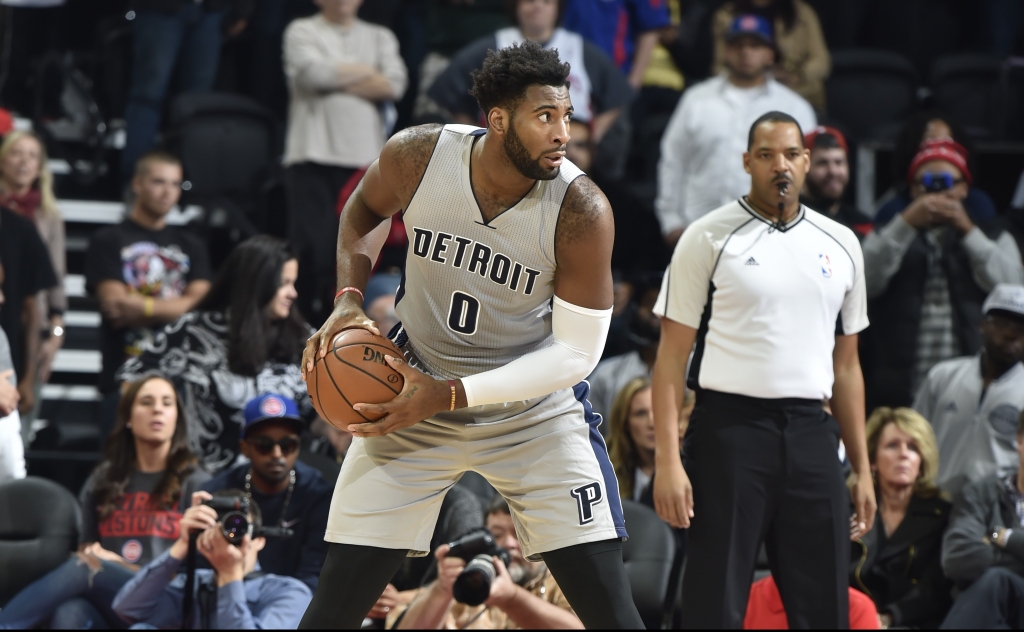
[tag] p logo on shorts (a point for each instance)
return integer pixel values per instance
(586, 497)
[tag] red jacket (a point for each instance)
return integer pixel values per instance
(765, 611)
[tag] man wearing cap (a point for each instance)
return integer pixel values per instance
(700, 167)
(973, 402)
(290, 494)
(826, 182)
(928, 271)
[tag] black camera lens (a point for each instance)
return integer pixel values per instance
(473, 585)
(235, 526)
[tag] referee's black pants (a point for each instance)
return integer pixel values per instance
(765, 470)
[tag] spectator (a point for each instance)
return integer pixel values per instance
(802, 61)
(379, 303)
(983, 550)
(289, 493)
(229, 597)
(28, 271)
(923, 127)
(597, 89)
(927, 272)
(26, 187)
(898, 563)
(643, 329)
(973, 402)
(628, 31)
(12, 449)
(451, 25)
(144, 273)
(179, 38)
(130, 514)
(244, 339)
(631, 438)
(700, 166)
(765, 610)
(825, 186)
(340, 71)
(1013, 218)
(523, 596)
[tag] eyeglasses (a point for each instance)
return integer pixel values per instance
(265, 445)
(938, 181)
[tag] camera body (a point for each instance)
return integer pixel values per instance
(473, 585)
(232, 517)
(937, 182)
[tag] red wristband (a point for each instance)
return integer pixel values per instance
(349, 289)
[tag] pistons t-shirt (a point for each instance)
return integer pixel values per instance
(136, 529)
(153, 263)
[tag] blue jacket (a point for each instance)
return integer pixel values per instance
(154, 596)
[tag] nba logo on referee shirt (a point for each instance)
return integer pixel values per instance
(586, 497)
(826, 266)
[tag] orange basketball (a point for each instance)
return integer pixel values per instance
(353, 372)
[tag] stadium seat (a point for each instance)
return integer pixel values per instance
(38, 530)
(871, 92)
(648, 555)
(968, 89)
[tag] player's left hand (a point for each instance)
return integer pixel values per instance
(422, 396)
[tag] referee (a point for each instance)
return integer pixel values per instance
(772, 293)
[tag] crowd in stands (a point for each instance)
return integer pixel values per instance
(202, 394)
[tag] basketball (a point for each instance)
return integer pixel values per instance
(353, 372)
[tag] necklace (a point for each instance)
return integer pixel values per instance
(287, 499)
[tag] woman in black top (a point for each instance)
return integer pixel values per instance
(898, 562)
(131, 507)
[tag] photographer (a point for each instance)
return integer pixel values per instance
(927, 273)
(231, 596)
(523, 595)
(289, 493)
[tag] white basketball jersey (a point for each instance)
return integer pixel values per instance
(476, 295)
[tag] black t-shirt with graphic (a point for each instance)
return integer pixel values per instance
(136, 530)
(156, 263)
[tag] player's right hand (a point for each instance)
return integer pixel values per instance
(348, 313)
(673, 496)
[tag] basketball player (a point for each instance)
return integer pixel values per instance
(773, 295)
(505, 307)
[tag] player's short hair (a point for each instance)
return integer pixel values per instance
(151, 158)
(497, 505)
(506, 74)
(773, 117)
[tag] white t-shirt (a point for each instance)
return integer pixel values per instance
(767, 302)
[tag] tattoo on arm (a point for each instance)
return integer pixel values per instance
(412, 150)
(584, 210)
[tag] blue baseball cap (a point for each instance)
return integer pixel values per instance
(271, 407)
(750, 25)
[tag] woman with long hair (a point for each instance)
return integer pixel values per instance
(243, 340)
(131, 507)
(26, 187)
(631, 437)
(898, 562)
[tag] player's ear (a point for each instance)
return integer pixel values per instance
(746, 161)
(498, 120)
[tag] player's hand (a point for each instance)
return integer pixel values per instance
(673, 496)
(347, 314)
(422, 396)
(863, 495)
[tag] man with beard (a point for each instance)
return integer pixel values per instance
(504, 309)
(700, 167)
(973, 402)
(826, 181)
(289, 493)
(524, 595)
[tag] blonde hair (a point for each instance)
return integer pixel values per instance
(912, 423)
(44, 182)
(621, 448)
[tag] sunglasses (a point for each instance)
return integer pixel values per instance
(265, 445)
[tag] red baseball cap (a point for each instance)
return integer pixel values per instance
(811, 136)
(947, 150)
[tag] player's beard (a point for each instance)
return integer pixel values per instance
(521, 159)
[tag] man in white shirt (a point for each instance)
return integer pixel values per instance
(701, 166)
(973, 402)
(772, 293)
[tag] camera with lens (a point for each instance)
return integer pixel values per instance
(233, 519)
(473, 585)
(937, 182)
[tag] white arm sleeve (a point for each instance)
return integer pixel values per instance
(579, 340)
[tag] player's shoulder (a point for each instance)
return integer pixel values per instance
(584, 208)
(405, 157)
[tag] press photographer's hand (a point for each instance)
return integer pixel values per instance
(503, 589)
(225, 558)
(448, 570)
(197, 518)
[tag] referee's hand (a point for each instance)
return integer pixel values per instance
(673, 495)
